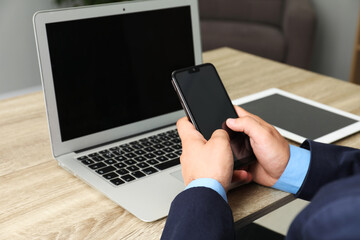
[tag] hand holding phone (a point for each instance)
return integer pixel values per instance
(208, 105)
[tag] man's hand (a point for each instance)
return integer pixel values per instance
(271, 149)
(206, 159)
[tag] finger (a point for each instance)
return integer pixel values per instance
(241, 176)
(243, 113)
(184, 127)
(219, 138)
(247, 125)
(187, 132)
(220, 134)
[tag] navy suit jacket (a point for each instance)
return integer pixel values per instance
(332, 185)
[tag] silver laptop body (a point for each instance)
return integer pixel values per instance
(106, 74)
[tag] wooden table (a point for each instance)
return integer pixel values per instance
(38, 199)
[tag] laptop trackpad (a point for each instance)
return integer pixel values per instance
(178, 175)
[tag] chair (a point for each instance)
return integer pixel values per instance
(281, 30)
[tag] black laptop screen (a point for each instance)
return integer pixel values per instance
(115, 70)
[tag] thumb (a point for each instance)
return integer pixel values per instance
(242, 176)
(246, 124)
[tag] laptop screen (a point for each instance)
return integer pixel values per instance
(115, 70)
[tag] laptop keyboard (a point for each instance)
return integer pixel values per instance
(127, 162)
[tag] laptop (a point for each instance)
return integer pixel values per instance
(111, 108)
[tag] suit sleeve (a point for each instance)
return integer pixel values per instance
(199, 213)
(328, 163)
(332, 185)
(333, 213)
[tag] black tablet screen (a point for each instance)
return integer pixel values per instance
(297, 117)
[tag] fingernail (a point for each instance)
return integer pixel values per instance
(230, 121)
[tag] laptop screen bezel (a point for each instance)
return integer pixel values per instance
(42, 18)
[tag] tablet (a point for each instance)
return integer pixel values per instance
(298, 118)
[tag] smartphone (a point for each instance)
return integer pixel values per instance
(207, 105)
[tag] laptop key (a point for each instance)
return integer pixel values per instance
(165, 138)
(105, 170)
(168, 164)
(173, 136)
(146, 144)
(138, 174)
(121, 158)
(122, 171)
(97, 165)
(171, 155)
(162, 158)
(155, 141)
(119, 165)
(130, 162)
(176, 147)
(132, 168)
(130, 155)
(152, 162)
(149, 149)
(93, 155)
(128, 149)
(108, 155)
(117, 181)
(128, 178)
(113, 149)
(116, 153)
(158, 146)
(167, 144)
(87, 161)
(150, 155)
(140, 159)
(104, 151)
(82, 158)
(110, 175)
(137, 146)
(168, 150)
(159, 152)
(149, 170)
(110, 161)
(176, 140)
(142, 165)
(140, 152)
(98, 158)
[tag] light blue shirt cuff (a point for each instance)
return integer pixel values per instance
(209, 183)
(295, 171)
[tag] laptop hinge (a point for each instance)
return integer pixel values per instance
(120, 139)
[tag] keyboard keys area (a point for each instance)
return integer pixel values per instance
(127, 162)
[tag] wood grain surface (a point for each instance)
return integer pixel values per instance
(40, 200)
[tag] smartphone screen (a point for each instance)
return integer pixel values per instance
(208, 105)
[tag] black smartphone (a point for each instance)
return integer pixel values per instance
(207, 105)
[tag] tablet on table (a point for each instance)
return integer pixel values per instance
(298, 118)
